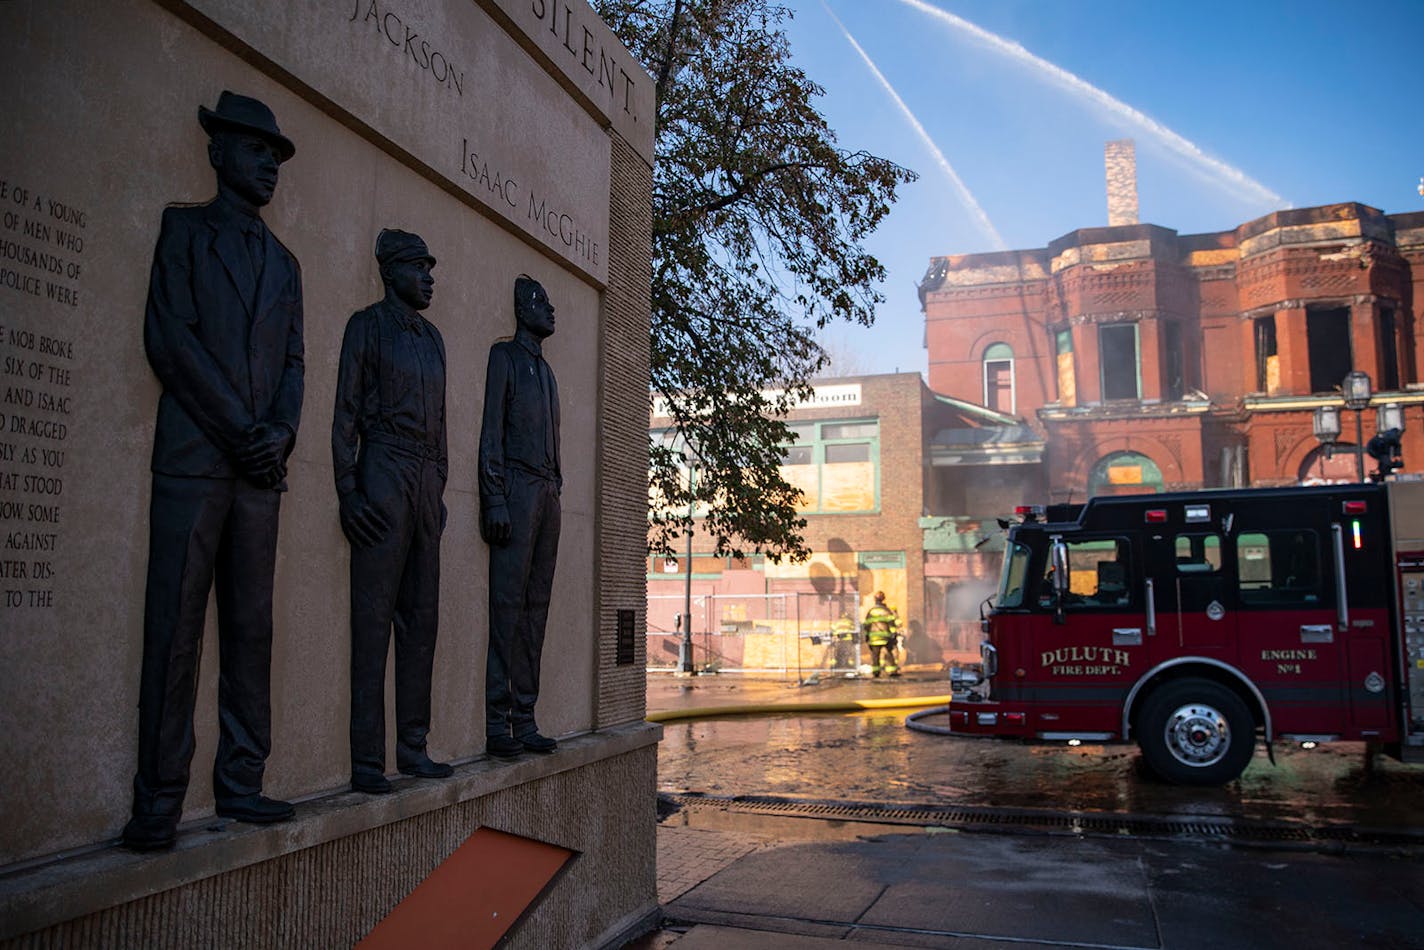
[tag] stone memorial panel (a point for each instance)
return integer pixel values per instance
(439, 80)
(103, 135)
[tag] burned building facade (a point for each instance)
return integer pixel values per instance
(1149, 360)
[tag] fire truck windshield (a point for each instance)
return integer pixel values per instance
(1015, 576)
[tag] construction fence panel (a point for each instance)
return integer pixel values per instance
(788, 633)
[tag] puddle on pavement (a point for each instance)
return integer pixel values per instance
(872, 757)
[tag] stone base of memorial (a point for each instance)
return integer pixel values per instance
(330, 876)
(514, 138)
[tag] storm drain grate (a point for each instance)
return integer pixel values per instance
(1146, 826)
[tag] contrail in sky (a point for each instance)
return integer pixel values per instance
(1066, 80)
(960, 189)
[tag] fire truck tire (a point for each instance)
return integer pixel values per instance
(1196, 732)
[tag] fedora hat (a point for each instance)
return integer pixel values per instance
(244, 114)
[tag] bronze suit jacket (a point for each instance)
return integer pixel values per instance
(227, 357)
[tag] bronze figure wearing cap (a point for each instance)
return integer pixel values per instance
(223, 333)
(388, 449)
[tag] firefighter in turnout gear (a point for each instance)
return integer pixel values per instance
(882, 625)
(845, 656)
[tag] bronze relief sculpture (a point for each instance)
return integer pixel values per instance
(223, 333)
(519, 481)
(390, 458)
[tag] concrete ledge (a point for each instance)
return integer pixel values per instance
(39, 894)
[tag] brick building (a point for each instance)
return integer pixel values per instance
(1149, 360)
(873, 457)
(1119, 359)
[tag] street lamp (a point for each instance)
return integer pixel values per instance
(684, 650)
(1356, 389)
(1384, 448)
(1389, 416)
(1327, 427)
(680, 444)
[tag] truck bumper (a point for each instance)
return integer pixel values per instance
(987, 718)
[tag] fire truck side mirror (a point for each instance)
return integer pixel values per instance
(1058, 561)
(1058, 570)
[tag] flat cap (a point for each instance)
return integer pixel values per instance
(394, 246)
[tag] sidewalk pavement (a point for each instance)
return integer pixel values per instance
(997, 891)
(728, 882)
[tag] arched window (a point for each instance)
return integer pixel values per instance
(1329, 465)
(1125, 473)
(999, 378)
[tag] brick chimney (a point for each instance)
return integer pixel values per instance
(1120, 157)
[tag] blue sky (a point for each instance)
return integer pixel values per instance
(1294, 103)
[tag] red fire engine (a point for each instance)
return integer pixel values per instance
(1192, 623)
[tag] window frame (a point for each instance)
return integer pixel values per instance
(1314, 595)
(818, 444)
(999, 354)
(1119, 375)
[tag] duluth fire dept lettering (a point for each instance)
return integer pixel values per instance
(1084, 661)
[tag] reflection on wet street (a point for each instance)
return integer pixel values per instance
(872, 757)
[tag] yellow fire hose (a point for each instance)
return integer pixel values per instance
(779, 709)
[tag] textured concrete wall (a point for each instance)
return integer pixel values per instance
(623, 442)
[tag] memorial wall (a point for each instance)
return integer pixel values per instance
(514, 137)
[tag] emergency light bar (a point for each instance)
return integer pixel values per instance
(1029, 512)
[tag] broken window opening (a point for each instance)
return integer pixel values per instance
(1118, 357)
(1327, 336)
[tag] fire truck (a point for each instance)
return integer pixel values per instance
(1196, 623)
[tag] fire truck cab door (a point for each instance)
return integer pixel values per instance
(1194, 595)
(1083, 665)
(1279, 556)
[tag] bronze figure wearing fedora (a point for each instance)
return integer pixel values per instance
(223, 333)
(389, 454)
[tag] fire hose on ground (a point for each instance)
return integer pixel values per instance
(938, 705)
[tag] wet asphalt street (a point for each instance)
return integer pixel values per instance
(809, 830)
(872, 757)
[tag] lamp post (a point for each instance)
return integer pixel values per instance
(1356, 389)
(1385, 447)
(1327, 428)
(677, 441)
(684, 650)
(1389, 416)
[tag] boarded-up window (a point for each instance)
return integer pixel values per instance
(1124, 473)
(835, 465)
(1268, 366)
(1067, 381)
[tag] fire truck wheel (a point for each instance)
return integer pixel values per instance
(1196, 732)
